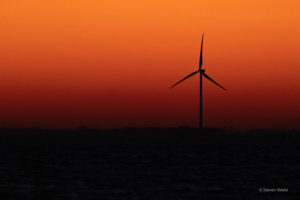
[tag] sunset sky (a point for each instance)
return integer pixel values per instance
(110, 63)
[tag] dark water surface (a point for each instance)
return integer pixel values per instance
(151, 164)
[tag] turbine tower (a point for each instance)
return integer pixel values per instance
(201, 73)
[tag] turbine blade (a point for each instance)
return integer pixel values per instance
(206, 76)
(201, 57)
(188, 76)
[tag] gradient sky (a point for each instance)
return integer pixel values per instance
(110, 63)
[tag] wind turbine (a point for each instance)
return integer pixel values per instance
(202, 73)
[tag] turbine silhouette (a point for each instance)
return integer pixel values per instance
(202, 73)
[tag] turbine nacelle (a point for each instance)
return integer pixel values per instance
(202, 71)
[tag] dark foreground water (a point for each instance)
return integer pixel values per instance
(149, 164)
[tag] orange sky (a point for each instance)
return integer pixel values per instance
(110, 63)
